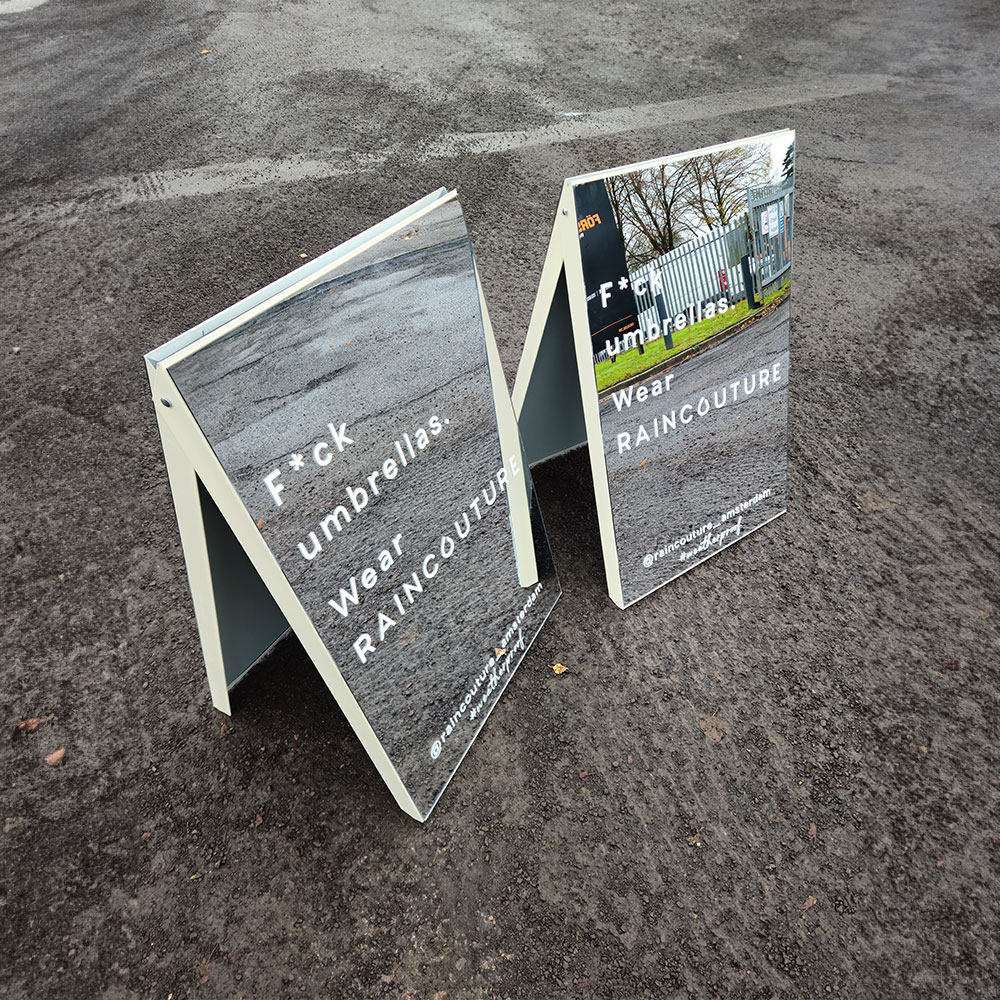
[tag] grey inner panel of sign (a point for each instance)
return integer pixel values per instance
(551, 418)
(392, 356)
(250, 623)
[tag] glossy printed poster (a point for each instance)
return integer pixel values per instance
(686, 265)
(358, 423)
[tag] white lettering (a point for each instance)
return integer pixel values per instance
(274, 487)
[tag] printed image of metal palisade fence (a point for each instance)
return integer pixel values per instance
(757, 243)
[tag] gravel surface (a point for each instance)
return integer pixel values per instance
(776, 777)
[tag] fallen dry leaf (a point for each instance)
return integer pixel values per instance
(260, 523)
(877, 505)
(558, 668)
(713, 727)
(813, 831)
(258, 821)
(810, 902)
(30, 725)
(206, 52)
(499, 652)
(303, 255)
(644, 461)
(55, 758)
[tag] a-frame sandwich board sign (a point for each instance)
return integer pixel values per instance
(345, 462)
(659, 337)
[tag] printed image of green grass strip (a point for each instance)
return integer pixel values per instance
(631, 362)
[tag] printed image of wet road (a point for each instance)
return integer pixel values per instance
(671, 489)
(364, 405)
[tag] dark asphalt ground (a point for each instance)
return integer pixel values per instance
(777, 777)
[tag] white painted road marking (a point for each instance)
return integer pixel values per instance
(217, 178)
(17, 6)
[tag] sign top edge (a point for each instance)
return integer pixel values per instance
(597, 175)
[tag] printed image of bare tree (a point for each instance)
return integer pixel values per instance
(719, 183)
(650, 205)
(663, 207)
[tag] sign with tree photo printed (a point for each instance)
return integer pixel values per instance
(663, 344)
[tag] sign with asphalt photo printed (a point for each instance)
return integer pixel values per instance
(354, 431)
(684, 412)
